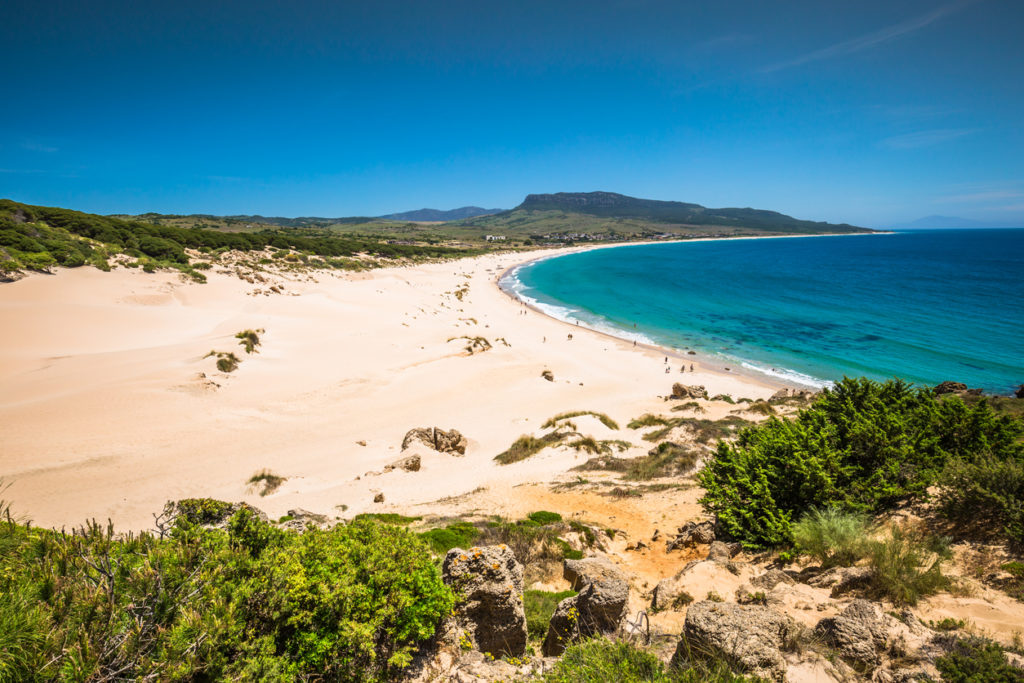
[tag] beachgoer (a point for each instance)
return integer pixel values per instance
(691, 367)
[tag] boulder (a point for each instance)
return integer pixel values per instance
(842, 579)
(723, 552)
(378, 498)
(771, 577)
(950, 387)
(489, 583)
(860, 633)
(597, 609)
(410, 463)
(691, 534)
(436, 439)
(300, 519)
(590, 570)
(685, 391)
(750, 637)
(783, 394)
(548, 375)
(1020, 391)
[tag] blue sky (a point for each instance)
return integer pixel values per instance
(870, 112)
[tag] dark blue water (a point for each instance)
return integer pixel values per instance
(926, 306)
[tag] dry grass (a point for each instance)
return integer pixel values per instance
(268, 480)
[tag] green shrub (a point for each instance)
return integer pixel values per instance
(388, 518)
(539, 606)
(986, 492)
(833, 537)
(203, 510)
(544, 517)
(976, 660)
(861, 446)
(601, 660)
(249, 603)
(908, 566)
(458, 535)
(227, 362)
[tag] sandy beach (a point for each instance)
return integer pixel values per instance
(110, 406)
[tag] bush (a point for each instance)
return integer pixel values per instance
(976, 660)
(908, 566)
(833, 537)
(458, 535)
(540, 606)
(862, 446)
(600, 660)
(249, 339)
(249, 603)
(543, 517)
(986, 492)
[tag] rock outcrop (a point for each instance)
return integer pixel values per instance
(598, 608)
(723, 552)
(1020, 391)
(685, 391)
(410, 463)
(691, 534)
(950, 387)
(590, 570)
(866, 637)
(842, 579)
(437, 439)
(489, 581)
(751, 638)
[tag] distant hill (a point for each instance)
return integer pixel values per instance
(935, 222)
(610, 212)
(438, 215)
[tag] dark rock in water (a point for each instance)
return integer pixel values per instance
(437, 439)
(489, 583)
(950, 387)
(1020, 391)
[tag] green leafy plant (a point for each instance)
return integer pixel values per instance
(249, 340)
(908, 566)
(976, 660)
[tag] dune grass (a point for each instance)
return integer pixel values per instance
(269, 481)
(605, 420)
(249, 339)
(527, 445)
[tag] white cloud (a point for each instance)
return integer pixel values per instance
(926, 138)
(869, 40)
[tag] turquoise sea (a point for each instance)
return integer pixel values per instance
(926, 306)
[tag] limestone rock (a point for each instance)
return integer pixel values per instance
(590, 570)
(691, 534)
(771, 577)
(842, 579)
(379, 498)
(437, 439)
(489, 581)
(410, 463)
(751, 637)
(723, 552)
(300, 519)
(686, 391)
(597, 609)
(861, 633)
(548, 375)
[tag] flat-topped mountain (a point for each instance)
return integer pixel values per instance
(613, 205)
(610, 213)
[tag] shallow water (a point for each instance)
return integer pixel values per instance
(926, 306)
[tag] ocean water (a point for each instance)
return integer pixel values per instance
(926, 306)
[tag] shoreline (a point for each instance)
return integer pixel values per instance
(696, 358)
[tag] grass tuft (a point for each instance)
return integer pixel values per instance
(270, 482)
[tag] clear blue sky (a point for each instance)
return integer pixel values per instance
(867, 112)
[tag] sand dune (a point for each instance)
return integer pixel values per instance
(109, 406)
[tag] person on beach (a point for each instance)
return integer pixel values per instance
(691, 367)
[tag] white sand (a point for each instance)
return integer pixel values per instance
(103, 413)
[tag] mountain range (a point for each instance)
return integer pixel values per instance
(437, 215)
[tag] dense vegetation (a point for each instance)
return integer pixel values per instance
(601, 660)
(39, 237)
(250, 602)
(865, 446)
